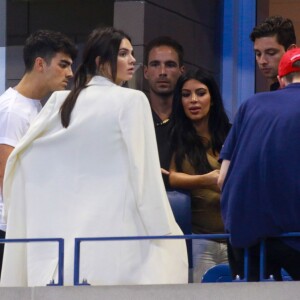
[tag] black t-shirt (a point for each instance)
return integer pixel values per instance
(163, 138)
(274, 86)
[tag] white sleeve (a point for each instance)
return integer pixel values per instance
(37, 126)
(139, 136)
(12, 128)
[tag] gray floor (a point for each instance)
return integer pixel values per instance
(218, 291)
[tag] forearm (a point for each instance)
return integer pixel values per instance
(187, 181)
(223, 172)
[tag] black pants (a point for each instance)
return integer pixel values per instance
(278, 255)
(2, 236)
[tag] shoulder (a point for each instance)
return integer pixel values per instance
(257, 97)
(10, 92)
(130, 91)
(132, 96)
(60, 94)
(15, 106)
(257, 100)
(7, 99)
(57, 97)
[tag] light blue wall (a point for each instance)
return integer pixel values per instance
(238, 62)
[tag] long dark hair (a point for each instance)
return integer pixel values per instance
(103, 43)
(185, 140)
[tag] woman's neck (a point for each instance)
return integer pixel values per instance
(201, 127)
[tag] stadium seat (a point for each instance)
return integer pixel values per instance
(285, 275)
(218, 273)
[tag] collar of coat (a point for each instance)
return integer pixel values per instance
(100, 80)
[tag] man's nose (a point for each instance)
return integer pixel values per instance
(70, 72)
(261, 59)
(162, 70)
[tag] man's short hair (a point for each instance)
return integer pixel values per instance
(282, 27)
(46, 44)
(164, 41)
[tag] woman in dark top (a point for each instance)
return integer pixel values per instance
(200, 128)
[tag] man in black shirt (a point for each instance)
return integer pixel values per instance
(163, 65)
(272, 38)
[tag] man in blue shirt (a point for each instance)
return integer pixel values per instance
(259, 176)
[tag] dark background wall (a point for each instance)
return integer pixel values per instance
(197, 24)
(73, 17)
(194, 23)
(76, 18)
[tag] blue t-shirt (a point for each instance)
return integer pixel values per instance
(261, 192)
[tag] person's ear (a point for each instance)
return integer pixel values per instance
(281, 81)
(39, 64)
(182, 70)
(292, 46)
(146, 72)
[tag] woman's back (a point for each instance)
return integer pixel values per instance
(100, 176)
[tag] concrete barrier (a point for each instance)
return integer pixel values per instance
(218, 291)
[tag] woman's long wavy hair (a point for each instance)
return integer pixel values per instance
(186, 143)
(103, 43)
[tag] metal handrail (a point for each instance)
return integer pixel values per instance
(79, 240)
(263, 256)
(61, 248)
(186, 237)
(130, 238)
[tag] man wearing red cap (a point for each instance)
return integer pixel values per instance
(259, 176)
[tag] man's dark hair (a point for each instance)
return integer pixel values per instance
(46, 44)
(282, 27)
(164, 41)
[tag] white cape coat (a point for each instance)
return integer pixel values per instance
(98, 177)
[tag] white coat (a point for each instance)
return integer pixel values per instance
(98, 177)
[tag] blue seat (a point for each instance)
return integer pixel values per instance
(285, 275)
(221, 273)
(218, 273)
(180, 202)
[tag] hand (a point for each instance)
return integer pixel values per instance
(164, 171)
(213, 176)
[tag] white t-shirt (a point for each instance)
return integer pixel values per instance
(16, 114)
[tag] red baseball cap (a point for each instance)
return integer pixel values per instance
(287, 60)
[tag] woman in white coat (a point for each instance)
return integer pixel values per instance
(88, 167)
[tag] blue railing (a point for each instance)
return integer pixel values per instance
(263, 257)
(79, 240)
(61, 248)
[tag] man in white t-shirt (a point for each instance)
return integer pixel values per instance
(48, 57)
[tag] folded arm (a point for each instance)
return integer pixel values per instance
(187, 181)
